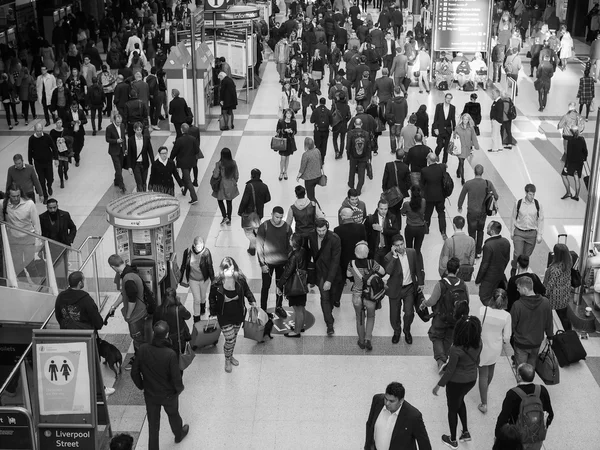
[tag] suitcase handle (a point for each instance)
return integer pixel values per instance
(565, 236)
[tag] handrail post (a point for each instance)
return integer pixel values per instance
(95, 266)
(11, 276)
(50, 268)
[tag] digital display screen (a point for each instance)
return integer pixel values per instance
(461, 25)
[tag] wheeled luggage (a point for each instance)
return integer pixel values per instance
(568, 348)
(205, 333)
(547, 366)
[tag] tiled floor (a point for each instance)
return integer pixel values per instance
(315, 393)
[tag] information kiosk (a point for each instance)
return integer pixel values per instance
(144, 237)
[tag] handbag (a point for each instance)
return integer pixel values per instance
(323, 179)
(393, 195)
(215, 182)
(251, 220)
(278, 143)
(188, 355)
(254, 325)
(454, 147)
(547, 366)
(297, 284)
(295, 106)
(424, 313)
(189, 116)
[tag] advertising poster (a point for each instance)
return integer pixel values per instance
(63, 378)
(161, 265)
(122, 240)
(462, 25)
(142, 242)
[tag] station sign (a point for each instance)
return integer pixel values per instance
(462, 25)
(16, 429)
(67, 437)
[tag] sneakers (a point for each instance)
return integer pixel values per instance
(195, 183)
(449, 442)
(236, 363)
(465, 436)
(184, 432)
(224, 221)
(281, 312)
(130, 363)
(360, 344)
(227, 221)
(368, 345)
(330, 331)
(155, 127)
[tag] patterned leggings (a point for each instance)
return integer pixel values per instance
(230, 333)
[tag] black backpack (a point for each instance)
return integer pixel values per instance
(447, 184)
(323, 123)
(512, 111)
(489, 202)
(453, 298)
(373, 284)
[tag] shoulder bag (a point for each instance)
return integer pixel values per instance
(215, 182)
(297, 284)
(393, 195)
(251, 220)
(188, 355)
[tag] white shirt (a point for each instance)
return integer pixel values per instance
(118, 128)
(139, 145)
(446, 110)
(384, 427)
(406, 275)
(167, 36)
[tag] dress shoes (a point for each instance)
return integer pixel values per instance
(408, 338)
(395, 338)
(184, 432)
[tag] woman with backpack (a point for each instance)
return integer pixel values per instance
(459, 375)
(224, 183)
(557, 281)
(496, 328)
(357, 269)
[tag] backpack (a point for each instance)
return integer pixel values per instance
(489, 202)
(537, 206)
(373, 285)
(469, 86)
(443, 86)
(360, 143)
(531, 423)
(323, 123)
(149, 299)
(512, 111)
(447, 184)
(33, 95)
(452, 298)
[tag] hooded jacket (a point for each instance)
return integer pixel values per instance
(396, 110)
(359, 211)
(531, 318)
(76, 310)
(304, 212)
(156, 370)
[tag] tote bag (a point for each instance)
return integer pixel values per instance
(188, 355)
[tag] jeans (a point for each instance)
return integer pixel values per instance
(96, 110)
(136, 331)
(140, 174)
(442, 142)
(266, 285)
(441, 212)
(117, 161)
(187, 183)
(342, 137)
(199, 292)
(225, 212)
(523, 244)
(109, 102)
(63, 168)
(455, 399)
(310, 186)
(587, 111)
(441, 338)
(526, 355)
(8, 107)
(364, 328)
(357, 167)
(414, 237)
(497, 71)
(45, 173)
(475, 227)
(542, 97)
(321, 138)
(171, 406)
(25, 109)
(328, 298)
(406, 295)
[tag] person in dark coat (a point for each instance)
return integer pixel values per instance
(397, 173)
(162, 172)
(576, 156)
(381, 222)
(116, 136)
(178, 110)
(74, 120)
(350, 233)
(57, 224)
(496, 256)
(543, 82)
(308, 92)
(431, 179)
(340, 129)
(297, 259)
(139, 155)
(473, 108)
(74, 308)
(175, 314)
(256, 195)
(444, 123)
(121, 96)
(185, 151)
(228, 99)
(194, 131)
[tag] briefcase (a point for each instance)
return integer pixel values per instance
(568, 348)
(205, 333)
(547, 366)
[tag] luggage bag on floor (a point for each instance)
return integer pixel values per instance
(568, 348)
(205, 333)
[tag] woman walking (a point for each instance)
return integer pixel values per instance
(557, 281)
(542, 84)
(423, 120)
(226, 170)
(317, 65)
(414, 210)
(473, 108)
(311, 168)
(28, 95)
(357, 269)
(576, 156)
(162, 172)
(468, 141)
(175, 314)
(197, 271)
(227, 293)
(566, 47)
(586, 92)
(496, 328)
(297, 260)
(7, 92)
(286, 128)
(64, 145)
(460, 375)
(288, 95)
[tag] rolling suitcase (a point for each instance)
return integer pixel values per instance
(568, 348)
(551, 253)
(205, 333)
(547, 366)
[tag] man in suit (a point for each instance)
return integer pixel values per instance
(389, 50)
(384, 89)
(408, 428)
(381, 227)
(139, 155)
(178, 112)
(444, 124)
(74, 121)
(378, 40)
(121, 96)
(431, 179)
(405, 276)
(396, 173)
(116, 136)
(185, 150)
(399, 68)
(496, 256)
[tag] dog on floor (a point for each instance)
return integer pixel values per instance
(111, 354)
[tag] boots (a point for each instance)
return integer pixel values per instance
(202, 308)
(196, 319)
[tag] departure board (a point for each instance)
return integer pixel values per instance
(461, 25)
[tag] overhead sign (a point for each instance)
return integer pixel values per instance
(217, 5)
(16, 429)
(240, 15)
(462, 25)
(231, 35)
(67, 437)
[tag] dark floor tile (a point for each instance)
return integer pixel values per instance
(126, 392)
(121, 341)
(593, 363)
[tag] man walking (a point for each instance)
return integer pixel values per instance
(477, 190)
(121, 96)
(396, 174)
(272, 248)
(394, 423)
(135, 111)
(531, 317)
(496, 255)
(461, 247)
(444, 124)
(432, 178)
(156, 372)
(116, 136)
(325, 250)
(395, 114)
(496, 118)
(57, 224)
(132, 295)
(74, 309)
(24, 176)
(399, 68)
(322, 118)
(526, 224)
(186, 151)
(350, 233)
(45, 85)
(42, 150)
(405, 276)
(511, 408)
(381, 227)
(416, 158)
(359, 154)
(255, 196)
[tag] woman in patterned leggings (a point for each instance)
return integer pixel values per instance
(226, 300)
